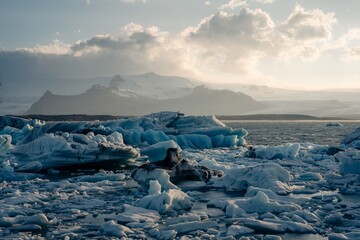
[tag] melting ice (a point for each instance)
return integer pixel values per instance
(295, 188)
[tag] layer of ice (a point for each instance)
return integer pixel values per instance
(143, 177)
(57, 151)
(113, 229)
(352, 140)
(170, 200)
(157, 151)
(258, 204)
(349, 161)
(5, 145)
(285, 151)
(269, 175)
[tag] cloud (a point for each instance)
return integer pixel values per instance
(56, 47)
(134, 1)
(312, 25)
(346, 46)
(237, 42)
(265, 1)
(225, 44)
(232, 4)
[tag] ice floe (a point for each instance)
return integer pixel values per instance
(169, 200)
(58, 151)
(196, 181)
(5, 145)
(268, 175)
(352, 140)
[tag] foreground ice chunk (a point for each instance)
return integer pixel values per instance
(155, 187)
(166, 201)
(352, 140)
(234, 230)
(349, 161)
(158, 151)
(182, 228)
(113, 229)
(288, 150)
(258, 204)
(310, 176)
(137, 214)
(5, 144)
(54, 151)
(346, 236)
(277, 226)
(143, 177)
(270, 175)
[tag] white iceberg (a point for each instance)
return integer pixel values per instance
(352, 140)
(170, 200)
(260, 204)
(113, 229)
(143, 178)
(158, 151)
(5, 145)
(269, 175)
(285, 151)
(349, 161)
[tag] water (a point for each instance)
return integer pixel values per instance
(279, 132)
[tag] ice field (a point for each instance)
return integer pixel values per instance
(118, 179)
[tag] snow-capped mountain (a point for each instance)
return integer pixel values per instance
(151, 85)
(105, 100)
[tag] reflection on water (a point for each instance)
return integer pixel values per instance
(279, 132)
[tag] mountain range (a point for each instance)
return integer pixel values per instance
(115, 100)
(150, 92)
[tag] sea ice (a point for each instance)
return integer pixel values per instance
(55, 151)
(349, 161)
(261, 204)
(166, 201)
(113, 229)
(352, 140)
(5, 144)
(137, 214)
(158, 151)
(143, 177)
(285, 151)
(269, 175)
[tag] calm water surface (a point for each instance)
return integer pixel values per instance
(279, 132)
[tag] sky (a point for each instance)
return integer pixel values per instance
(309, 44)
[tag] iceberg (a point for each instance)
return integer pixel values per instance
(17, 122)
(285, 151)
(158, 151)
(260, 204)
(269, 175)
(349, 161)
(113, 229)
(5, 144)
(143, 177)
(60, 151)
(169, 200)
(352, 140)
(197, 132)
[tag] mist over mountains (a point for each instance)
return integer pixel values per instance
(149, 92)
(137, 96)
